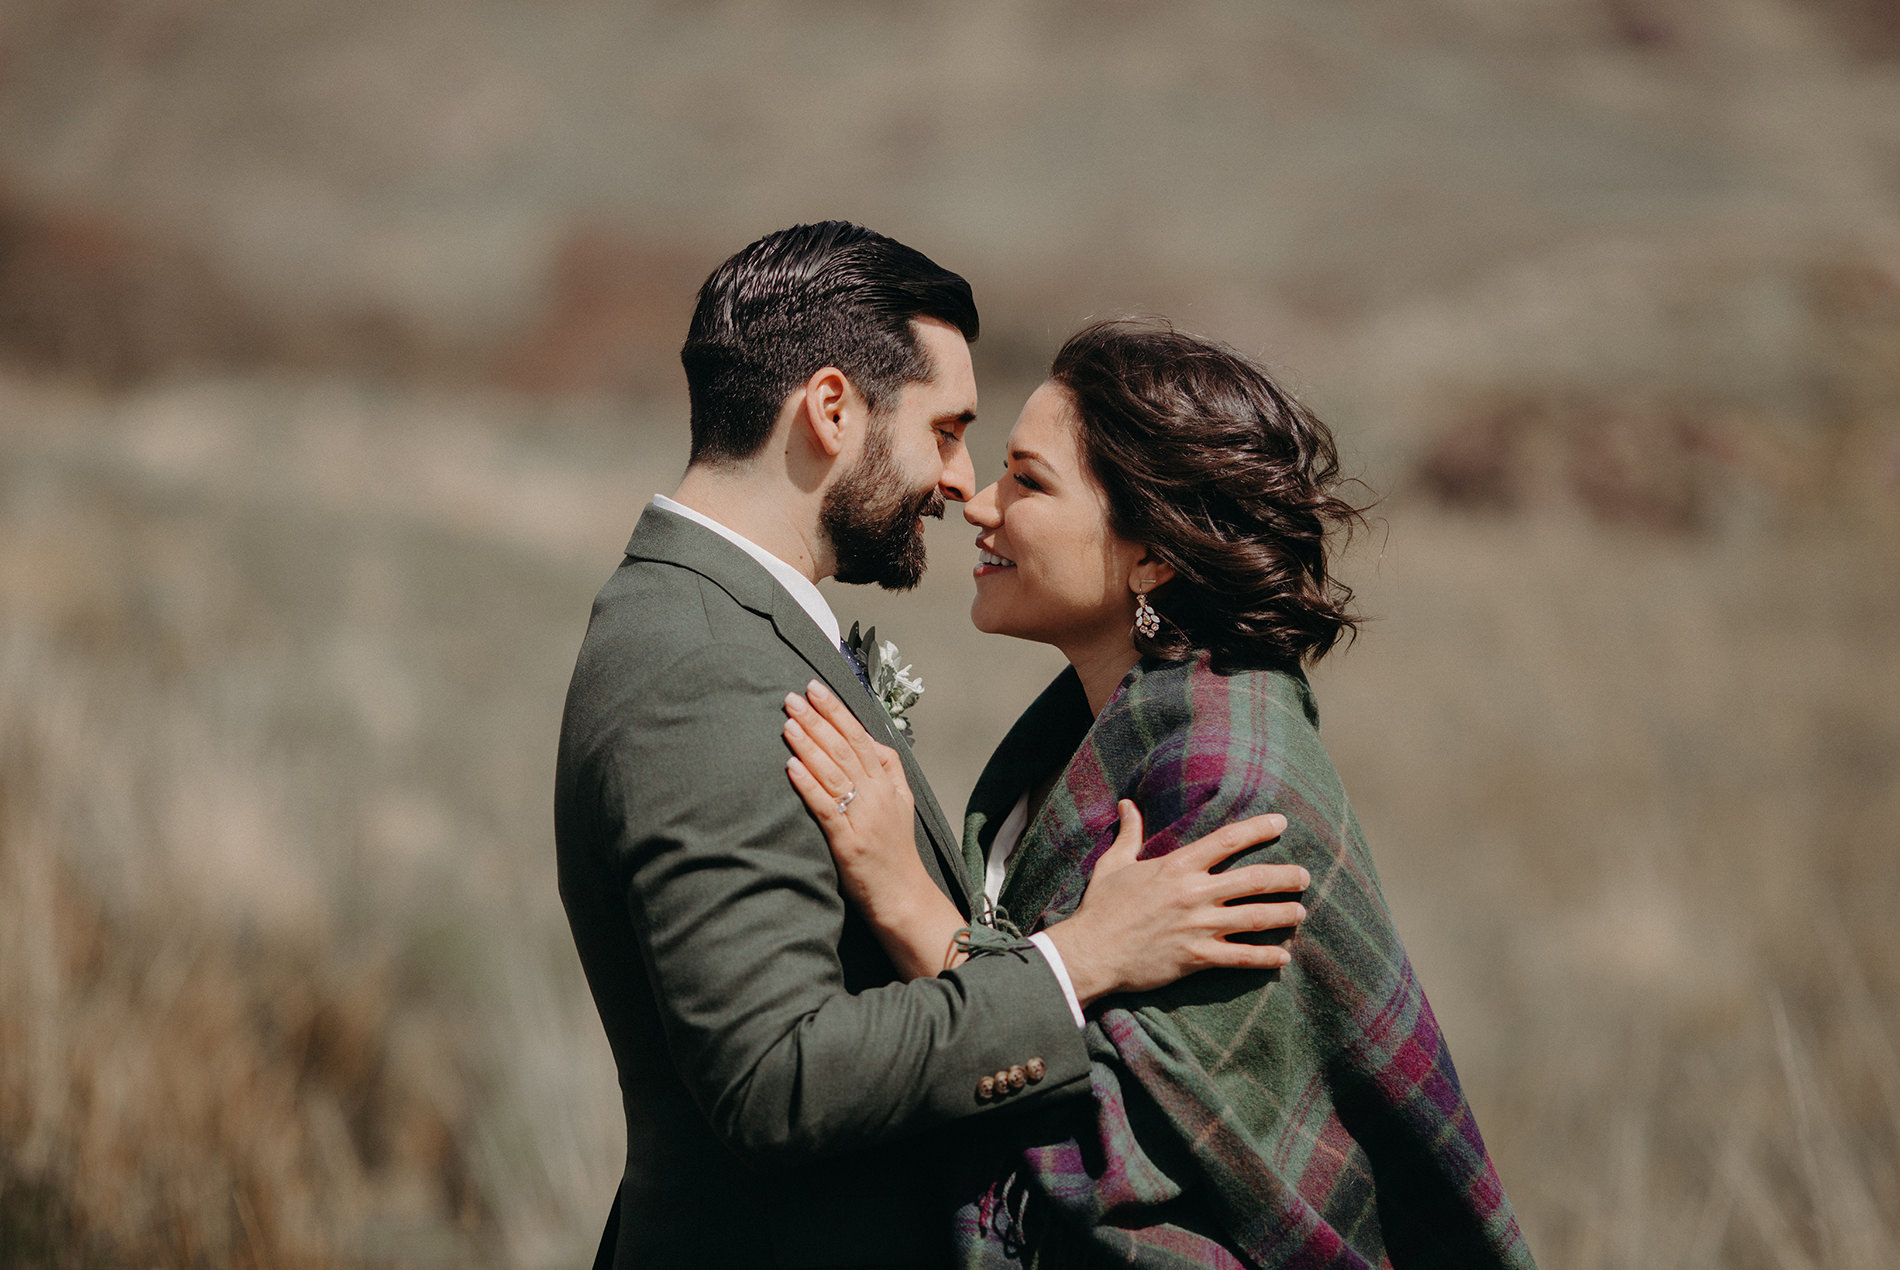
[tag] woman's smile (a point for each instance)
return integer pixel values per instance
(989, 562)
(1044, 526)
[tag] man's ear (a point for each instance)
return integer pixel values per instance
(1148, 573)
(826, 409)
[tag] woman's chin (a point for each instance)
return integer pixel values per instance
(988, 621)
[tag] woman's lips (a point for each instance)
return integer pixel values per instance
(988, 562)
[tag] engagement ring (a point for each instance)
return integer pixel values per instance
(845, 802)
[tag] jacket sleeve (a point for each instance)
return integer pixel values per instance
(735, 907)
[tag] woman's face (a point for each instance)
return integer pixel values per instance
(1049, 568)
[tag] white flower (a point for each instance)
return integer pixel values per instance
(897, 690)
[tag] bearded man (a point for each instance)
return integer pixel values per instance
(789, 1100)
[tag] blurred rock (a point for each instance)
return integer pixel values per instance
(1729, 386)
(84, 292)
(1646, 467)
(614, 316)
(100, 297)
(1869, 28)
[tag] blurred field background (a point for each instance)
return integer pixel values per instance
(337, 357)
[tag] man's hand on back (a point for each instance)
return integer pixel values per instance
(1143, 924)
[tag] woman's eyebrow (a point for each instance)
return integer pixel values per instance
(1029, 456)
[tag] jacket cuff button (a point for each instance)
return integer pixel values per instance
(1002, 1083)
(1018, 1077)
(986, 1089)
(1035, 1069)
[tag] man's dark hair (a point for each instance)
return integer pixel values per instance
(1218, 471)
(830, 294)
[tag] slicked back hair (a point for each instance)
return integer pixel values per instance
(829, 294)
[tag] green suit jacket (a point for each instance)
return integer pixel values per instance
(788, 1101)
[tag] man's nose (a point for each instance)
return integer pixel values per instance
(959, 475)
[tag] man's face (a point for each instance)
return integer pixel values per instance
(912, 461)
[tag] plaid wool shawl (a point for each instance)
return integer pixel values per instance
(1308, 1117)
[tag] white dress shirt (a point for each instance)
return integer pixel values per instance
(1009, 836)
(806, 592)
(800, 587)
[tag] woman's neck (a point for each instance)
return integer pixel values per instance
(1102, 669)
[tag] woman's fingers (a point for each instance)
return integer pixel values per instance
(839, 715)
(827, 735)
(836, 730)
(818, 760)
(822, 802)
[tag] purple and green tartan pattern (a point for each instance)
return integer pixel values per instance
(1303, 1118)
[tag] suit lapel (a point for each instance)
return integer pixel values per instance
(660, 535)
(796, 628)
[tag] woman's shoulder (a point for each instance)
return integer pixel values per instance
(1196, 746)
(1192, 695)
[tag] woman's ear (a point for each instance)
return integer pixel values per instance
(1149, 573)
(826, 408)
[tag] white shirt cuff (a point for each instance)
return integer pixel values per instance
(1041, 940)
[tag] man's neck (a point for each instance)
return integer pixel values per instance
(776, 519)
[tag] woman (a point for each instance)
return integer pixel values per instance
(1164, 520)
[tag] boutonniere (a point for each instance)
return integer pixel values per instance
(896, 690)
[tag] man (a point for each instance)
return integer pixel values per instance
(789, 1102)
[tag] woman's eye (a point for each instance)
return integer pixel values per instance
(1024, 481)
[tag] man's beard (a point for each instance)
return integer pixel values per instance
(873, 524)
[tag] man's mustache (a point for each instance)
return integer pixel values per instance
(933, 505)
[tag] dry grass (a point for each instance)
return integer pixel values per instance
(198, 1070)
(1606, 293)
(1633, 801)
(285, 981)
(267, 994)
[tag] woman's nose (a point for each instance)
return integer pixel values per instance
(980, 508)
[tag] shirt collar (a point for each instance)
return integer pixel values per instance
(800, 587)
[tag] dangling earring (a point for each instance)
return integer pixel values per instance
(1147, 621)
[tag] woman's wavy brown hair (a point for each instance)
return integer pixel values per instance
(1219, 472)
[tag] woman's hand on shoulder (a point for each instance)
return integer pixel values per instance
(856, 791)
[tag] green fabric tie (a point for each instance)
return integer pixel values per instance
(990, 931)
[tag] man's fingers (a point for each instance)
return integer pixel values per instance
(1261, 879)
(834, 778)
(1127, 844)
(839, 715)
(1204, 853)
(1249, 917)
(1224, 953)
